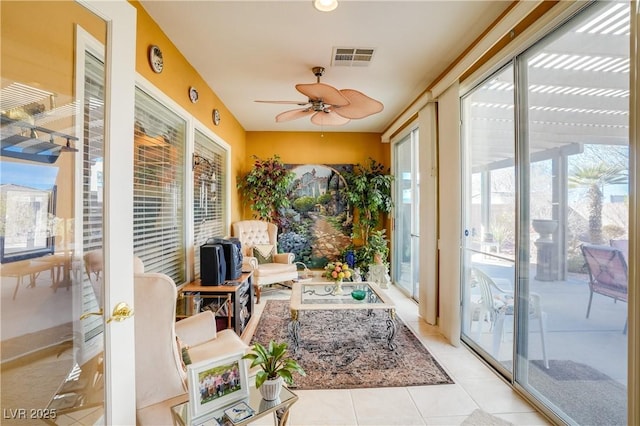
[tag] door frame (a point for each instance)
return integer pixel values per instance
(120, 20)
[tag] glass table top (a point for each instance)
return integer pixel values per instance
(322, 295)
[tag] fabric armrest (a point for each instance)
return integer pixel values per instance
(283, 258)
(249, 263)
(197, 329)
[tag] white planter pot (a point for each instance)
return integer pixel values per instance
(270, 389)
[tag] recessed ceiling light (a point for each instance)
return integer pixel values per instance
(325, 5)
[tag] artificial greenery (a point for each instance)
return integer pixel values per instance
(273, 363)
(267, 186)
(368, 189)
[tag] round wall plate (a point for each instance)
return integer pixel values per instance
(155, 59)
(193, 94)
(215, 115)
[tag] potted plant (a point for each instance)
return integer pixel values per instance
(267, 186)
(368, 189)
(274, 368)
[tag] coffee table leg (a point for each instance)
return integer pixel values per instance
(391, 329)
(282, 415)
(294, 331)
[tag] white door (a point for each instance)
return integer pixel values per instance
(406, 237)
(118, 200)
(67, 113)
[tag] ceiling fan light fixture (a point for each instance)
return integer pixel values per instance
(325, 5)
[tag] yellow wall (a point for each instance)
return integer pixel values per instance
(174, 81)
(316, 148)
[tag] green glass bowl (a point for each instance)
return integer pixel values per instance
(358, 294)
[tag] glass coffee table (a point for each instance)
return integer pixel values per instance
(280, 409)
(318, 296)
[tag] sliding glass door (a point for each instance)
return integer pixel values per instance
(406, 230)
(546, 217)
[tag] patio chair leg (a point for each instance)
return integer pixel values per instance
(589, 305)
(543, 320)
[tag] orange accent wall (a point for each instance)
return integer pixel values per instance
(316, 148)
(174, 81)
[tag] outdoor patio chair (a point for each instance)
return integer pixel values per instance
(498, 303)
(623, 246)
(607, 273)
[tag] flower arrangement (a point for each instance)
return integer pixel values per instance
(337, 271)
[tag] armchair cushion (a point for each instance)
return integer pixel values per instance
(264, 253)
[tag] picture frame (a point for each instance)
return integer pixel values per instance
(217, 383)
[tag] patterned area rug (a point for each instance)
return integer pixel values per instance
(347, 349)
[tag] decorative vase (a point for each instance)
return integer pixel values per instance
(270, 389)
(338, 288)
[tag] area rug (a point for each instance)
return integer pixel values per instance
(588, 396)
(482, 418)
(347, 349)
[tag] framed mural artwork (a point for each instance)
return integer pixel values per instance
(317, 227)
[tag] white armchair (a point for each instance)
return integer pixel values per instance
(257, 232)
(160, 372)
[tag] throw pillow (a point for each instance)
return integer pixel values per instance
(264, 252)
(184, 353)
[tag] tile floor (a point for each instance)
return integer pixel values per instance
(476, 386)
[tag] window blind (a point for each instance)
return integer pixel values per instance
(92, 184)
(158, 217)
(209, 174)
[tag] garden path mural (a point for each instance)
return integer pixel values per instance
(317, 227)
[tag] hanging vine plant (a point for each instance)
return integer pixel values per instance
(266, 186)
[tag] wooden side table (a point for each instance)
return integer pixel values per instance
(280, 409)
(236, 298)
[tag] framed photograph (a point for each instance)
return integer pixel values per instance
(216, 383)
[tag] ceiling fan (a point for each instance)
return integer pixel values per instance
(327, 105)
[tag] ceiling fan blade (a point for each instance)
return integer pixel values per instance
(330, 118)
(301, 103)
(293, 114)
(320, 91)
(360, 105)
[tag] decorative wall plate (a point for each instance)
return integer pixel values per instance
(215, 115)
(193, 94)
(155, 59)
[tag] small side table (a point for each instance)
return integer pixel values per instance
(280, 409)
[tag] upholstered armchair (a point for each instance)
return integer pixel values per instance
(160, 372)
(268, 266)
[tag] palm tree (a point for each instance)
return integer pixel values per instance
(594, 178)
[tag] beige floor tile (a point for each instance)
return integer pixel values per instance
(445, 421)
(320, 407)
(385, 406)
(442, 400)
(463, 365)
(525, 419)
(495, 396)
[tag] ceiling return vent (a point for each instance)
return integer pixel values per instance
(352, 56)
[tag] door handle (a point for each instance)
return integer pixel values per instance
(121, 312)
(88, 314)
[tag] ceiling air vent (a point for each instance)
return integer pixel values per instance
(352, 57)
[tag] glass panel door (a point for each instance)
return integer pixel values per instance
(406, 236)
(574, 220)
(565, 177)
(52, 213)
(489, 218)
